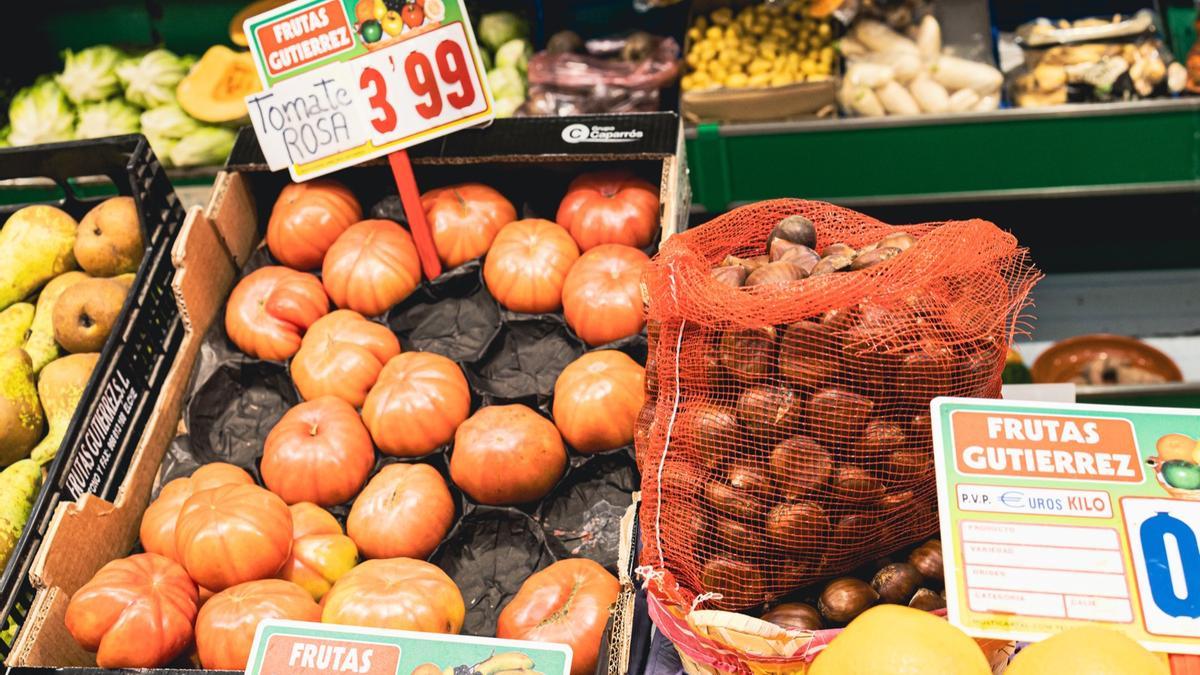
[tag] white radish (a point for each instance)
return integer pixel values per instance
(861, 101)
(963, 100)
(931, 96)
(879, 38)
(850, 47)
(906, 65)
(929, 38)
(956, 73)
(988, 103)
(868, 74)
(896, 100)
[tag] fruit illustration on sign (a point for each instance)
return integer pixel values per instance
(412, 14)
(1181, 474)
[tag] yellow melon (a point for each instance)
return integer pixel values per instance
(900, 640)
(1088, 649)
(215, 89)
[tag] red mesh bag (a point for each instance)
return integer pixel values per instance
(786, 436)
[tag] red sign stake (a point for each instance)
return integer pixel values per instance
(410, 196)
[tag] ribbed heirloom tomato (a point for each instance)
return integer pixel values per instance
(157, 531)
(321, 552)
(319, 451)
(528, 264)
(226, 623)
(597, 398)
(233, 533)
(507, 454)
(137, 612)
(372, 266)
(404, 512)
(341, 356)
(602, 295)
(271, 308)
(464, 220)
(307, 218)
(416, 404)
(398, 594)
(610, 207)
(567, 603)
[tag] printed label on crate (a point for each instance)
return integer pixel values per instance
(328, 649)
(1055, 515)
(350, 80)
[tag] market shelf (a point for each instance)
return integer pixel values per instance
(1103, 149)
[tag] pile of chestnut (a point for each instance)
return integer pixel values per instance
(915, 580)
(791, 256)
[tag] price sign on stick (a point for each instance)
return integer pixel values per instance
(351, 80)
(1058, 515)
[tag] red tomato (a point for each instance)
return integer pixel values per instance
(528, 264)
(231, 534)
(567, 603)
(270, 310)
(398, 594)
(416, 404)
(610, 207)
(308, 518)
(227, 622)
(404, 512)
(372, 266)
(464, 220)
(307, 218)
(341, 356)
(602, 295)
(158, 522)
(507, 454)
(597, 398)
(319, 452)
(321, 554)
(137, 612)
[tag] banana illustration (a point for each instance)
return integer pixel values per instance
(506, 661)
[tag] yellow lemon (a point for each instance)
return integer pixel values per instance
(896, 640)
(1091, 650)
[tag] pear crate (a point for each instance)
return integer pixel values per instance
(85, 353)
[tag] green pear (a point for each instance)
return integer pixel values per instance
(14, 324)
(19, 485)
(40, 344)
(37, 244)
(60, 387)
(20, 413)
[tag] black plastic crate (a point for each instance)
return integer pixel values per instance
(123, 389)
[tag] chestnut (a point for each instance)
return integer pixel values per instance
(800, 467)
(748, 355)
(739, 583)
(807, 354)
(927, 601)
(780, 272)
(710, 432)
(873, 257)
(900, 240)
(734, 535)
(910, 467)
(794, 616)
(730, 275)
(895, 583)
(840, 249)
(795, 229)
(732, 502)
(767, 411)
(855, 484)
(844, 599)
(751, 479)
(832, 263)
(927, 558)
(878, 441)
(802, 256)
(797, 526)
(897, 502)
(748, 264)
(841, 411)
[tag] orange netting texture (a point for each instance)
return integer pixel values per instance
(786, 436)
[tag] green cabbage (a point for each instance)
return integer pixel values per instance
(506, 83)
(107, 118)
(487, 58)
(41, 113)
(151, 79)
(90, 75)
(497, 28)
(514, 54)
(162, 147)
(168, 121)
(507, 107)
(204, 146)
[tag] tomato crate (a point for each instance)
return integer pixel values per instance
(124, 386)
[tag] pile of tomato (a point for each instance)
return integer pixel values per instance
(223, 553)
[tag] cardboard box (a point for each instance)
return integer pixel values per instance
(217, 241)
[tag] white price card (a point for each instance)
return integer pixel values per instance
(351, 80)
